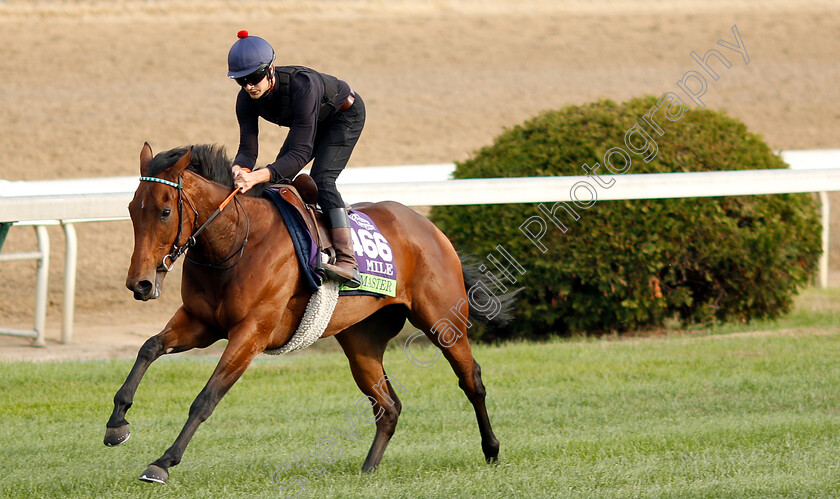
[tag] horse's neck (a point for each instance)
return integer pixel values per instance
(244, 215)
(223, 232)
(204, 195)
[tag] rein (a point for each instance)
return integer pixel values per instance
(177, 250)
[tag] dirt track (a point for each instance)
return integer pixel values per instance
(84, 84)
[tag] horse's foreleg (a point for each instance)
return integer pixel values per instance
(364, 346)
(181, 333)
(238, 354)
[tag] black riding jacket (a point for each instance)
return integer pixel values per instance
(300, 99)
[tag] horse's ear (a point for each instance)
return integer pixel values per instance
(182, 163)
(145, 158)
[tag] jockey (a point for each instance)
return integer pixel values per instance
(325, 118)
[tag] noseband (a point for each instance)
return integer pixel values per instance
(177, 250)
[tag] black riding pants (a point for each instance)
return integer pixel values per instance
(334, 143)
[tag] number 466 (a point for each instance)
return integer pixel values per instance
(371, 245)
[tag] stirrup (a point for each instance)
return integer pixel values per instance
(353, 282)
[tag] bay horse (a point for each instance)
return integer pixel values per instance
(242, 282)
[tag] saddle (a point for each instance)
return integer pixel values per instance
(302, 195)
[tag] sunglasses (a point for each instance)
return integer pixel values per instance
(253, 78)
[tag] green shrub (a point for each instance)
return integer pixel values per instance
(626, 265)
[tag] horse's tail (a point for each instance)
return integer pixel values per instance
(494, 316)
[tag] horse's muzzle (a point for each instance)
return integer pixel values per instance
(144, 289)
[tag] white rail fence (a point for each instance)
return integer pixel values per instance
(67, 202)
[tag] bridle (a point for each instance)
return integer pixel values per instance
(178, 250)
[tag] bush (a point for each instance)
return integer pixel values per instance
(626, 265)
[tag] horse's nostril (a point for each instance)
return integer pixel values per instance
(143, 287)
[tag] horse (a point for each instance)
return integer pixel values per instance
(241, 282)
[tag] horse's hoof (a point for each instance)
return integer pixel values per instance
(116, 436)
(155, 474)
(491, 451)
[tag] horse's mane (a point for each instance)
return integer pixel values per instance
(208, 160)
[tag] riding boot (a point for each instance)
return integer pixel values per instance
(345, 270)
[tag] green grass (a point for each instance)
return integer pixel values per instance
(690, 414)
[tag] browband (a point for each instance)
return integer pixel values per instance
(162, 181)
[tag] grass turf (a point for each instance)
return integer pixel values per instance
(693, 414)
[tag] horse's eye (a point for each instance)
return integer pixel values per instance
(164, 214)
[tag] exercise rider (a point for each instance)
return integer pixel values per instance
(325, 118)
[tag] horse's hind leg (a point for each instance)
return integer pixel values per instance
(364, 345)
(476, 394)
(180, 334)
(451, 338)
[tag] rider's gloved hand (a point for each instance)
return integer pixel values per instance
(244, 179)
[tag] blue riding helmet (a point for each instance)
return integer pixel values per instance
(248, 54)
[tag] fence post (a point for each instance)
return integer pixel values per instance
(43, 281)
(69, 282)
